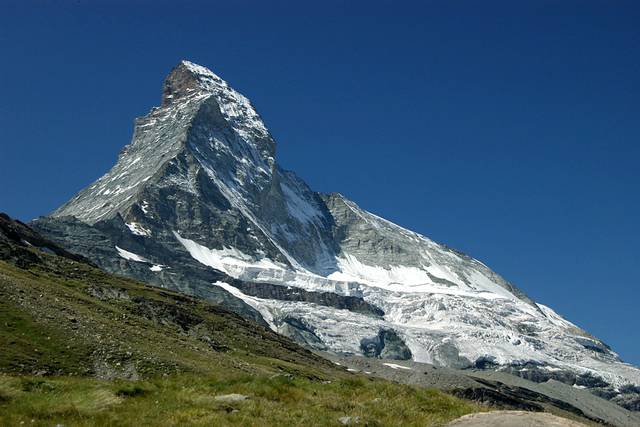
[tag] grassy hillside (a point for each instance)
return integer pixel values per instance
(83, 347)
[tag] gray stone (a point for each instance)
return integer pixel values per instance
(231, 397)
(513, 419)
(387, 345)
(348, 421)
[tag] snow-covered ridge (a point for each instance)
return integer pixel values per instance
(235, 106)
(350, 279)
(203, 72)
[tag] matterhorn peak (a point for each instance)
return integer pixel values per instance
(188, 78)
(200, 114)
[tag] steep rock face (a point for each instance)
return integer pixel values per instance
(377, 242)
(386, 345)
(197, 203)
(15, 234)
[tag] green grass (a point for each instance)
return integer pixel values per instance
(29, 346)
(190, 400)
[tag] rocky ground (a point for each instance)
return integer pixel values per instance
(500, 390)
(513, 419)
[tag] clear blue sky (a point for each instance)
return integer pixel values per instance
(508, 130)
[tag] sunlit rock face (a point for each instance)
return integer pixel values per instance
(197, 203)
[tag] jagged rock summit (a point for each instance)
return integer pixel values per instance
(197, 107)
(198, 203)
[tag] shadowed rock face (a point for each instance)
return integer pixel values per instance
(179, 84)
(197, 203)
(286, 293)
(301, 332)
(502, 395)
(14, 234)
(627, 396)
(386, 345)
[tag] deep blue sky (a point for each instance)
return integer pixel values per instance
(508, 130)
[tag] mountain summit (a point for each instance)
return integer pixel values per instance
(197, 203)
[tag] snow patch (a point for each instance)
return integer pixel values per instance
(555, 318)
(130, 255)
(394, 366)
(137, 229)
(298, 207)
(229, 260)
(406, 279)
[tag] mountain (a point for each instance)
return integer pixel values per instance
(197, 203)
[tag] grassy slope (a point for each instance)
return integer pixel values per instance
(82, 347)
